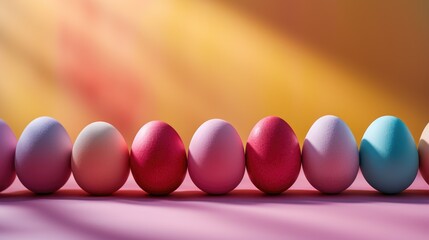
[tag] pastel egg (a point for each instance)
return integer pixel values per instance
(100, 159)
(388, 155)
(7, 156)
(424, 154)
(330, 156)
(42, 158)
(273, 155)
(158, 158)
(216, 157)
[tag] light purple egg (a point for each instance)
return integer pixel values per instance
(7, 155)
(216, 160)
(43, 156)
(330, 157)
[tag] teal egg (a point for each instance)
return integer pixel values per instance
(388, 155)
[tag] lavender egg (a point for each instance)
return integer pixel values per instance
(43, 156)
(7, 155)
(330, 156)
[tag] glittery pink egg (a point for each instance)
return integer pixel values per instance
(216, 157)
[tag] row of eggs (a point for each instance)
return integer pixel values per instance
(44, 157)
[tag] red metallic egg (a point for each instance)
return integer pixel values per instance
(158, 158)
(273, 156)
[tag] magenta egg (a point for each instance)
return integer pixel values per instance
(100, 159)
(273, 155)
(158, 158)
(330, 157)
(216, 157)
(42, 158)
(7, 156)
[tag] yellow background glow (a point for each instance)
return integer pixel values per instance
(184, 62)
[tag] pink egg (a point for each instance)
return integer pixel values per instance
(42, 158)
(330, 157)
(216, 157)
(7, 156)
(424, 154)
(273, 156)
(100, 159)
(158, 158)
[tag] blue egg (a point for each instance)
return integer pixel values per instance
(388, 155)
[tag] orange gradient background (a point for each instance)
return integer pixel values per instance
(184, 62)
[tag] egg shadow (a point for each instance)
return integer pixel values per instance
(235, 197)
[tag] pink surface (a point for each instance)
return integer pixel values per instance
(301, 212)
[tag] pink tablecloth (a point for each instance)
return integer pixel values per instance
(359, 213)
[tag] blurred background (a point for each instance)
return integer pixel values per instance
(184, 62)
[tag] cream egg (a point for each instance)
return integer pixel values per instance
(100, 159)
